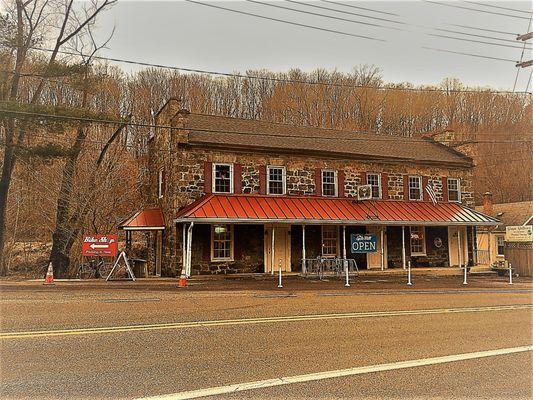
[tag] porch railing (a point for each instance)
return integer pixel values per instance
(321, 266)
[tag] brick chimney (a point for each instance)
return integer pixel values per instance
(487, 203)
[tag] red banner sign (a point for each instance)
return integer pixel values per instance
(99, 246)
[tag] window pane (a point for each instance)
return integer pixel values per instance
(374, 181)
(415, 191)
(417, 240)
(222, 178)
(328, 183)
(454, 191)
(275, 180)
(329, 240)
(222, 242)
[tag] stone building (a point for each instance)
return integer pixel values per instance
(245, 196)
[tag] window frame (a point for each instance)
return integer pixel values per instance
(283, 179)
(498, 254)
(421, 189)
(231, 244)
(335, 182)
(214, 179)
(160, 177)
(424, 249)
(378, 175)
(448, 180)
(335, 229)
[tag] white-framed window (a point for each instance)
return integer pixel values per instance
(500, 245)
(222, 242)
(454, 189)
(415, 187)
(160, 178)
(330, 241)
(418, 241)
(374, 180)
(276, 180)
(329, 182)
(222, 178)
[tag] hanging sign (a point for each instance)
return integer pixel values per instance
(363, 243)
(523, 233)
(99, 246)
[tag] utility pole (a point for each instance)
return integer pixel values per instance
(528, 63)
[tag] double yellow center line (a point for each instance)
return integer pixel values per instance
(252, 321)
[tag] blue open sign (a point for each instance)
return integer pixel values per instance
(363, 243)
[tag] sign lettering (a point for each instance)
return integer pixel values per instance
(99, 246)
(363, 243)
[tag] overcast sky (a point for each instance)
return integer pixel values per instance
(184, 34)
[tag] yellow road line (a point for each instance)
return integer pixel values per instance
(239, 387)
(251, 321)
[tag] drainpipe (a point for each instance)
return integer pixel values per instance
(189, 250)
(403, 247)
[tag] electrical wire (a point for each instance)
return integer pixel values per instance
(288, 81)
(474, 9)
(476, 41)
(493, 6)
(285, 21)
(470, 54)
(477, 28)
(362, 8)
(371, 137)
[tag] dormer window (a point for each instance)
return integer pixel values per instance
(222, 178)
(276, 180)
(329, 183)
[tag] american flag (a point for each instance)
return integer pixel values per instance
(431, 193)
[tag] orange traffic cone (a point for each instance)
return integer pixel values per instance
(49, 280)
(183, 281)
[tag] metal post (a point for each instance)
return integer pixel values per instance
(344, 242)
(510, 274)
(347, 275)
(184, 248)
(279, 281)
(304, 271)
(272, 258)
(382, 249)
(461, 255)
(409, 283)
(403, 247)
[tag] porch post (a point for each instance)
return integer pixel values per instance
(459, 246)
(403, 247)
(272, 257)
(382, 249)
(344, 242)
(303, 250)
(184, 249)
(189, 250)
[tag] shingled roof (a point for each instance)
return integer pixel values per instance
(218, 131)
(511, 214)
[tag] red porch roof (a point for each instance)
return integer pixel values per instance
(241, 208)
(145, 220)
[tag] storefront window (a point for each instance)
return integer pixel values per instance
(330, 241)
(222, 182)
(276, 180)
(374, 180)
(418, 242)
(329, 182)
(500, 243)
(222, 243)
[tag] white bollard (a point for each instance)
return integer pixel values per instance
(464, 280)
(409, 283)
(347, 276)
(510, 274)
(279, 280)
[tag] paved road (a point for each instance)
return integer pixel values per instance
(176, 347)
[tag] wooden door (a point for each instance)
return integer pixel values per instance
(282, 248)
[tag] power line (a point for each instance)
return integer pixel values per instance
(317, 14)
(493, 6)
(285, 21)
(474, 35)
(289, 81)
(484, 29)
(476, 41)
(475, 9)
(469, 54)
(371, 136)
(351, 13)
(361, 8)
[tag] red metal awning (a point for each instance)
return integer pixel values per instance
(145, 220)
(241, 208)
